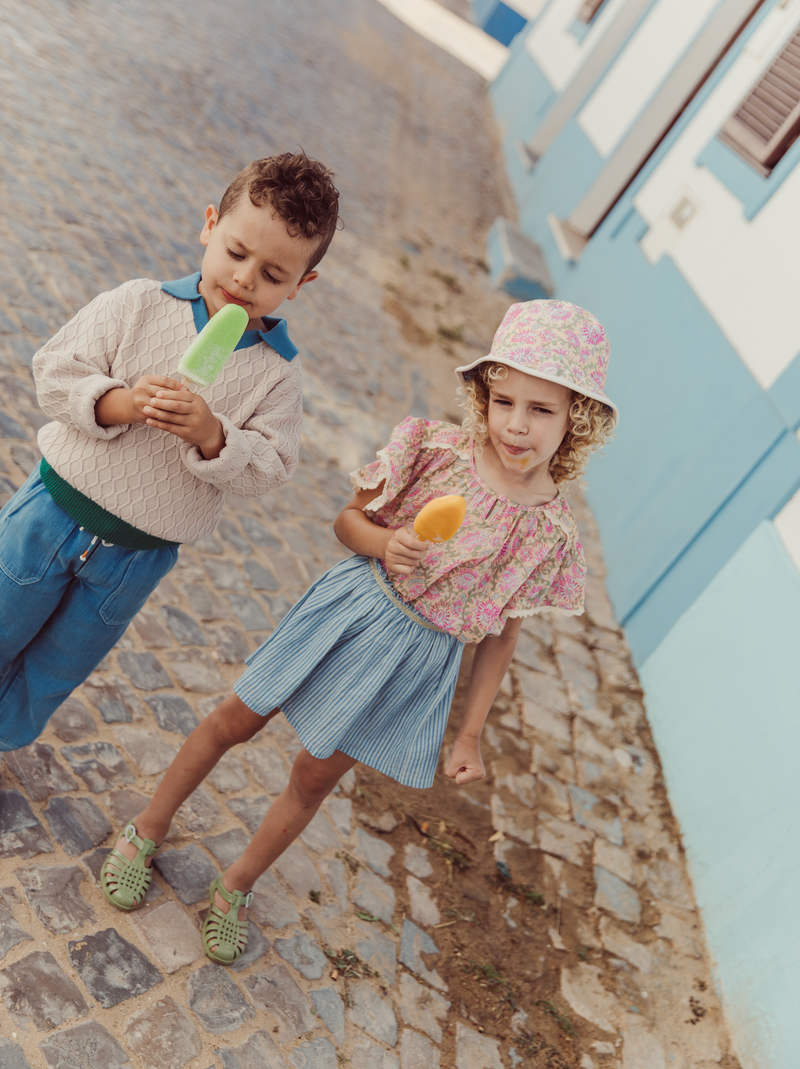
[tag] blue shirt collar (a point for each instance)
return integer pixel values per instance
(276, 335)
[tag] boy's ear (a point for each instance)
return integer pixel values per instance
(212, 216)
(306, 278)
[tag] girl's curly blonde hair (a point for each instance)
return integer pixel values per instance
(591, 422)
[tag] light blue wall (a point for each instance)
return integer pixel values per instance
(723, 700)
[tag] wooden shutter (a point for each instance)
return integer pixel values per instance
(768, 120)
(589, 9)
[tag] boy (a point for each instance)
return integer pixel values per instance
(135, 463)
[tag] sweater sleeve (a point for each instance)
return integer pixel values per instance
(261, 454)
(73, 369)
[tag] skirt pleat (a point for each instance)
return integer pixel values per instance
(352, 671)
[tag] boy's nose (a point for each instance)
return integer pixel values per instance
(243, 275)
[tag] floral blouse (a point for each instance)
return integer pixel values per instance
(505, 560)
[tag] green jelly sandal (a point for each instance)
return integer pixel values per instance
(225, 930)
(125, 882)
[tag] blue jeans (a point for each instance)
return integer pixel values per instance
(59, 615)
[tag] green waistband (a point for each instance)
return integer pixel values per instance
(94, 518)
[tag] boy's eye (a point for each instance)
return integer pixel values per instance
(269, 278)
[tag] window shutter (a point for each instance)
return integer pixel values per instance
(767, 121)
(588, 10)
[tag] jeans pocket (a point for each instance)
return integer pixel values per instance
(32, 530)
(142, 574)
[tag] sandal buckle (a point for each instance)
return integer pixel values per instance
(248, 899)
(130, 833)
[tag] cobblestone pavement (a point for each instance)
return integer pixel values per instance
(120, 122)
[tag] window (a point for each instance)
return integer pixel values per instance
(767, 121)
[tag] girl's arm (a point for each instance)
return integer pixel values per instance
(492, 658)
(400, 549)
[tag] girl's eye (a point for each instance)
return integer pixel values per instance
(235, 255)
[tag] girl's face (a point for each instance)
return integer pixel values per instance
(527, 419)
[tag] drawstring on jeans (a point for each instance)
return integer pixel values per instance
(95, 542)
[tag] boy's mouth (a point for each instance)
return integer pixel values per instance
(233, 300)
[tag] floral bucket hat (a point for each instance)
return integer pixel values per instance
(552, 340)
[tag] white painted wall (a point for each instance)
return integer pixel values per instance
(529, 9)
(745, 272)
(557, 52)
(651, 53)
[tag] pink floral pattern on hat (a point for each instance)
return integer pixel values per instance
(553, 340)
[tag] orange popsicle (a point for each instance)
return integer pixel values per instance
(439, 520)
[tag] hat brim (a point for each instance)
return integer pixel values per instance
(491, 359)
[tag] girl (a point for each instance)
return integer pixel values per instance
(365, 664)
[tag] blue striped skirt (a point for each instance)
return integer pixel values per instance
(356, 669)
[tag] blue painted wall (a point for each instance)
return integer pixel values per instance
(498, 19)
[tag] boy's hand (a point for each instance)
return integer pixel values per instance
(186, 415)
(404, 551)
(465, 764)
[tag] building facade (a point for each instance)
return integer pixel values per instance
(651, 148)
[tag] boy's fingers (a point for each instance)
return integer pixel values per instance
(170, 405)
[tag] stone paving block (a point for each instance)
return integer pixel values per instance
(228, 775)
(39, 772)
(522, 786)
(417, 1052)
(330, 1009)
(257, 1052)
(186, 630)
(249, 612)
(417, 861)
(72, 721)
(53, 893)
(12, 1055)
(553, 796)
(586, 742)
(21, 834)
(378, 951)
(228, 846)
(275, 992)
(195, 672)
(641, 1049)
(226, 575)
(173, 713)
(319, 835)
(143, 669)
(375, 852)
(616, 896)
(112, 968)
(336, 874)
(368, 1055)
(422, 1008)
(99, 764)
(258, 534)
(188, 872)
(36, 991)
(315, 1054)
(340, 811)
(372, 1013)
(564, 839)
(474, 1051)
(112, 698)
(414, 942)
(250, 810)
(620, 944)
(199, 812)
(85, 1046)
(372, 894)
(513, 820)
(595, 813)
(681, 929)
(151, 630)
(544, 689)
(216, 1000)
(668, 882)
(172, 937)
(10, 934)
(271, 906)
(125, 804)
(206, 603)
(297, 868)
(327, 921)
(268, 768)
(423, 905)
(148, 750)
(230, 645)
(261, 578)
(257, 946)
(582, 989)
(303, 953)
(613, 858)
(278, 605)
(163, 1035)
(546, 722)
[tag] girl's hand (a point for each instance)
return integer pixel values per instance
(465, 764)
(186, 415)
(404, 551)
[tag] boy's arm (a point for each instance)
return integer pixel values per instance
(492, 657)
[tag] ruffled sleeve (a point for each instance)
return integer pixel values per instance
(555, 585)
(409, 448)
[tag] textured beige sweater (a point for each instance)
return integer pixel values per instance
(150, 478)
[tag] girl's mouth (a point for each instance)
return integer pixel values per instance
(233, 300)
(514, 450)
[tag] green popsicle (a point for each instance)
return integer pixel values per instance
(206, 356)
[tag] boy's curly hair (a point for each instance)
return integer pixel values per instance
(298, 189)
(591, 422)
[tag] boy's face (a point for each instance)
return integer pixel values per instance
(251, 260)
(527, 418)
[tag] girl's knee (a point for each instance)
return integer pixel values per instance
(233, 722)
(314, 778)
